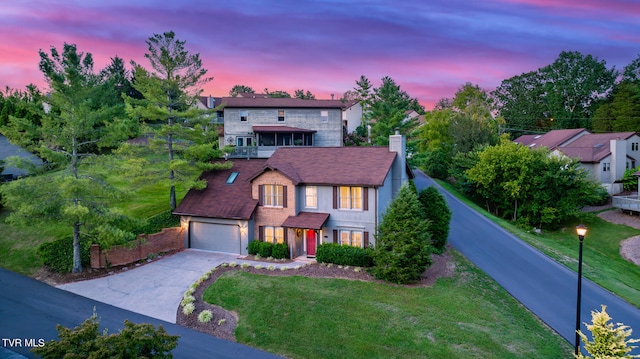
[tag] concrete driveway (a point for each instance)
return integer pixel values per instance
(155, 289)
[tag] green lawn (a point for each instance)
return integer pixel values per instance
(602, 262)
(18, 243)
(466, 316)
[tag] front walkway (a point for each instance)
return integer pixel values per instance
(156, 289)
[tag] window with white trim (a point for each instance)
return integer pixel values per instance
(349, 197)
(273, 234)
(351, 238)
(273, 195)
(280, 115)
(244, 114)
(311, 197)
(606, 167)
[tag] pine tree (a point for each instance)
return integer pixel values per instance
(170, 101)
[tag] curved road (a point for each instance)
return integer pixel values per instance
(545, 287)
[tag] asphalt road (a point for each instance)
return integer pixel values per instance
(30, 310)
(545, 287)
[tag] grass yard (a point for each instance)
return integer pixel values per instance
(18, 243)
(466, 316)
(601, 259)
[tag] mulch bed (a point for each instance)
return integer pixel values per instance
(224, 322)
(54, 278)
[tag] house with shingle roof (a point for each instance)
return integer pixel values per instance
(605, 155)
(301, 196)
(255, 125)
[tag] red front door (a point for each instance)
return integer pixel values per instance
(311, 242)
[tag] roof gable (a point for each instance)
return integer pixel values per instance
(551, 139)
(593, 147)
(221, 199)
(358, 166)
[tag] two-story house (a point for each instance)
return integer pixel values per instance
(301, 196)
(256, 124)
(605, 155)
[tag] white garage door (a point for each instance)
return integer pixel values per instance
(215, 237)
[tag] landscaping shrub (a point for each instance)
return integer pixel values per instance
(438, 214)
(265, 250)
(87, 341)
(280, 251)
(254, 247)
(58, 255)
(344, 255)
(403, 245)
(158, 222)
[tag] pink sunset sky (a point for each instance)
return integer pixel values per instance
(430, 48)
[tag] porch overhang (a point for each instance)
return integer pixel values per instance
(280, 129)
(309, 220)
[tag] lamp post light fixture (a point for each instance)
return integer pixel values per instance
(582, 231)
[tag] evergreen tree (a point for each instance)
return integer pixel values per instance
(73, 130)
(301, 94)
(170, 106)
(438, 214)
(402, 251)
(387, 112)
(86, 341)
(238, 89)
(609, 341)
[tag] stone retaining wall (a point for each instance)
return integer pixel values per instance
(170, 239)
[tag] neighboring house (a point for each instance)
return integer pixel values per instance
(301, 196)
(352, 116)
(256, 124)
(605, 155)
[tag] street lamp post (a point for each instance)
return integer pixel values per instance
(582, 231)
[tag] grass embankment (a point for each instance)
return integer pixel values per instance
(601, 259)
(18, 243)
(465, 316)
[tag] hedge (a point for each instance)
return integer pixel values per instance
(58, 254)
(266, 249)
(344, 255)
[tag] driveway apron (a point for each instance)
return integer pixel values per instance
(154, 289)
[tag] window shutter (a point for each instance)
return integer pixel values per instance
(335, 197)
(286, 235)
(260, 194)
(365, 198)
(335, 236)
(366, 239)
(284, 196)
(261, 233)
